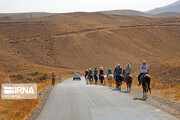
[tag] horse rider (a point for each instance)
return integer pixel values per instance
(144, 70)
(118, 70)
(109, 72)
(95, 74)
(101, 71)
(127, 71)
(90, 71)
(101, 75)
(53, 76)
(86, 73)
(115, 71)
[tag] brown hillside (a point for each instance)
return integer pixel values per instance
(82, 40)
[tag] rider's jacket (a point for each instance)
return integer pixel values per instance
(144, 68)
(95, 72)
(119, 70)
(109, 72)
(101, 72)
(128, 70)
(90, 72)
(86, 72)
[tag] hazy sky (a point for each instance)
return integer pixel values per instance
(62, 6)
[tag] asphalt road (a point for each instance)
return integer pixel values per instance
(74, 100)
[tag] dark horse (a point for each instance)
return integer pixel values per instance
(119, 79)
(129, 79)
(101, 77)
(90, 79)
(146, 85)
(95, 78)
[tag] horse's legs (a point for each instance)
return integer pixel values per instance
(127, 87)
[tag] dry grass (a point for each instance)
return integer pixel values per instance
(21, 109)
(70, 43)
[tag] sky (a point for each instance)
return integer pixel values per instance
(63, 6)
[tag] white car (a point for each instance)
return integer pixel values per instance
(77, 76)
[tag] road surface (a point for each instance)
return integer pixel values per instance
(74, 100)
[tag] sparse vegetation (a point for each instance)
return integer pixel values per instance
(67, 42)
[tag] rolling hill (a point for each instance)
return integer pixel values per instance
(82, 40)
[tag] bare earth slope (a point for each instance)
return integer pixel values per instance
(82, 40)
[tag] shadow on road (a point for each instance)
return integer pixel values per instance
(114, 90)
(123, 91)
(142, 99)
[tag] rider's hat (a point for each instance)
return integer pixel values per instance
(90, 69)
(118, 65)
(101, 68)
(144, 61)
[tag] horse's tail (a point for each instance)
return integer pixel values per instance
(148, 79)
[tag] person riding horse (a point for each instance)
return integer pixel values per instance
(127, 72)
(119, 77)
(90, 76)
(109, 72)
(144, 70)
(95, 75)
(101, 75)
(86, 73)
(118, 71)
(110, 76)
(115, 71)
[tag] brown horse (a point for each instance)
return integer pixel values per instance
(119, 79)
(90, 79)
(129, 79)
(146, 85)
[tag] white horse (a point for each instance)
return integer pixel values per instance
(110, 79)
(87, 79)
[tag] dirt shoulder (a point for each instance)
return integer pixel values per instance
(43, 95)
(172, 107)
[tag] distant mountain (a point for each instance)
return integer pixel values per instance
(26, 15)
(127, 12)
(174, 7)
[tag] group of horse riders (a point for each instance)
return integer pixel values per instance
(117, 71)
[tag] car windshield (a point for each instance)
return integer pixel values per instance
(77, 75)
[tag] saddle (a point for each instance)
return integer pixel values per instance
(144, 75)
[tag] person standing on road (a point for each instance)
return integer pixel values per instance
(144, 70)
(53, 76)
(95, 75)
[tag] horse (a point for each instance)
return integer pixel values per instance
(90, 79)
(146, 79)
(87, 79)
(96, 78)
(101, 77)
(119, 79)
(129, 79)
(110, 79)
